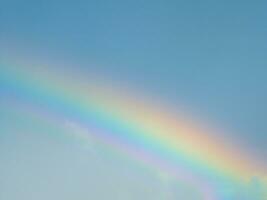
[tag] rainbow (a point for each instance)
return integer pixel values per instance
(146, 131)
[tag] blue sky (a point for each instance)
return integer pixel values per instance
(207, 55)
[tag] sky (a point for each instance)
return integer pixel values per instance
(207, 56)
